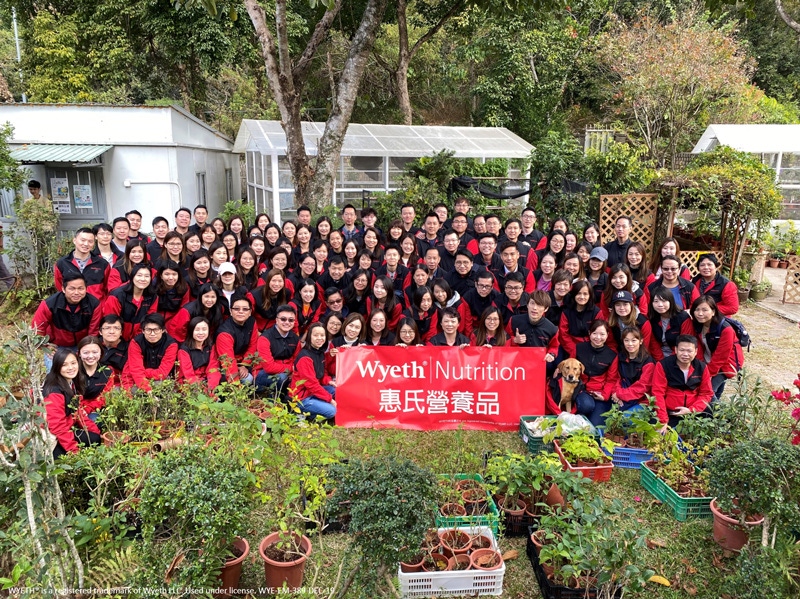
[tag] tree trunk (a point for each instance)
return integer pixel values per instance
(403, 61)
(786, 18)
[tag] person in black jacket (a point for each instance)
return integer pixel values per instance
(450, 337)
(115, 348)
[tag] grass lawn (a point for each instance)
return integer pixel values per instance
(682, 552)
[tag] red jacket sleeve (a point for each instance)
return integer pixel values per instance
(551, 407)
(268, 363)
(304, 371)
(703, 395)
(94, 323)
(213, 372)
(224, 349)
(729, 301)
(178, 325)
(472, 246)
(186, 371)
(647, 334)
(252, 347)
(114, 280)
(165, 367)
(434, 316)
(465, 327)
(532, 261)
(58, 278)
(134, 368)
(98, 403)
(611, 379)
(643, 307)
(639, 389)
(111, 306)
(659, 390)
(59, 423)
(654, 347)
(552, 347)
(42, 320)
(530, 283)
(721, 358)
(564, 338)
(330, 362)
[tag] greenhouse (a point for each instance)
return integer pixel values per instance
(372, 159)
(777, 145)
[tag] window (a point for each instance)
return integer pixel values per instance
(229, 185)
(201, 188)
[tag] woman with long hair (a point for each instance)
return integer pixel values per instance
(383, 298)
(237, 225)
(172, 289)
(259, 247)
(279, 258)
(636, 368)
(490, 331)
(319, 249)
(544, 274)
(133, 301)
(135, 253)
(302, 245)
(218, 254)
(576, 318)
(350, 252)
(289, 231)
(600, 373)
(357, 292)
(336, 242)
(683, 290)
(199, 271)
(636, 260)
(323, 228)
(556, 245)
(272, 234)
(311, 385)
(246, 269)
(262, 220)
(62, 389)
(574, 264)
(194, 354)
(219, 226)
(395, 232)
(191, 243)
(445, 297)
(423, 312)
(669, 247)
(591, 235)
(378, 331)
(666, 323)
(409, 257)
(210, 303)
(173, 249)
(596, 273)
(267, 298)
(208, 235)
(307, 305)
(353, 333)
(625, 315)
(620, 279)
(98, 378)
(231, 243)
(373, 241)
(407, 333)
(711, 282)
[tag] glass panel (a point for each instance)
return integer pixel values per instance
(267, 166)
(789, 175)
(770, 160)
(284, 174)
(258, 176)
(361, 171)
(791, 196)
(396, 167)
(250, 159)
(790, 160)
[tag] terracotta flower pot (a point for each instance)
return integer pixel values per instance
(232, 570)
(461, 561)
(475, 501)
(728, 531)
(452, 509)
(291, 572)
(517, 511)
(554, 497)
(773, 262)
(465, 484)
(442, 563)
(481, 542)
(783, 264)
(414, 564)
(455, 542)
(486, 559)
(111, 438)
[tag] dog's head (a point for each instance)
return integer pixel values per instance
(571, 370)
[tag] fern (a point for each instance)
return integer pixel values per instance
(115, 571)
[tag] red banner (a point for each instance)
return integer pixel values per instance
(439, 388)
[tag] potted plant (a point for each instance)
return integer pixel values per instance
(392, 503)
(760, 291)
(509, 475)
(741, 278)
(581, 449)
(616, 425)
(194, 504)
(754, 481)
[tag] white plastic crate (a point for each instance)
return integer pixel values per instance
(454, 584)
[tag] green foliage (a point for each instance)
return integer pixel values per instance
(137, 412)
(193, 499)
(622, 169)
(556, 156)
(391, 501)
(734, 180)
(763, 572)
(240, 208)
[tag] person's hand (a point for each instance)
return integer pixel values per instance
(333, 351)
(243, 372)
(597, 395)
(614, 397)
(549, 358)
(332, 383)
(397, 345)
(463, 345)
(519, 339)
(333, 402)
(420, 235)
(664, 428)
(682, 411)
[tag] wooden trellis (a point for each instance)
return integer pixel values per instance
(641, 207)
(791, 288)
(689, 258)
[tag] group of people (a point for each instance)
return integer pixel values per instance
(211, 301)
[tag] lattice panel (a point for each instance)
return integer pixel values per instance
(641, 207)
(689, 258)
(791, 288)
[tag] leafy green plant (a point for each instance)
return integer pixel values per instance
(757, 476)
(240, 208)
(621, 169)
(193, 503)
(391, 503)
(764, 572)
(584, 447)
(617, 422)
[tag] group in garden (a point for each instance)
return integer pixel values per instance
(271, 305)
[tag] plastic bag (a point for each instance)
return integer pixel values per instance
(571, 423)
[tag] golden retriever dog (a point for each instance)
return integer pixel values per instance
(571, 371)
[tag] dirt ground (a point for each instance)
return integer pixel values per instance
(775, 353)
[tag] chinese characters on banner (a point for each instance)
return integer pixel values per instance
(439, 388)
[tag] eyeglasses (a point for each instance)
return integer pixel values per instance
(335, 301)
(513, 288)
(240, 309)
(284, 319)
(483, 286)
(151, 331)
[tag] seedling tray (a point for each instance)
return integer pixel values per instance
(536, 444)
(598, 474)
(682, 508)
(490, 519)
(454, 584)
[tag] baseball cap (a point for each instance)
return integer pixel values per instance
(621, 296)
(226, 267)
(599, 253)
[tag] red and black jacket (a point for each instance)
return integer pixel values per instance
(178, 325)
(672, 390)
(727, 356)
(542, 333)
(64, 323)
(553, 396)
(193, 364)
(277, 353)
(500, 278)
(235, 345)
(96, 273)
(688, 292)
(63, 415)
(149, 361)
(723, 291)
(477, 303)
(459, 283)
(115, 357)
(574, 327)
(615, 341)
(169, 303)
(309, 376)
(600, 368)
(120, 302)
(427, 322)
(659, 337)
(306, 317)
(266, 318)
(440, 340)
(635, 377)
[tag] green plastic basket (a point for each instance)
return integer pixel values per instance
(535, 444)
(682, 508)
(490, 519)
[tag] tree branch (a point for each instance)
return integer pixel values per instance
(786, 18)
(457, 6)
(300, 70)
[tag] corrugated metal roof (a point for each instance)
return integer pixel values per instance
(410, 141)
(58, 152)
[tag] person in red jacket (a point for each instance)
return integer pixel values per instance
(600, 375)
(576, 318)
(235, 346)
(711, 282)
(95, 269)
(151, 355)
(133, 301)
(68, 316)
(135, 253)
(311, 386)
(720, 347)
(67, 421)
(194, 355)
(681, 384)
(277, 348)
(635, 371)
